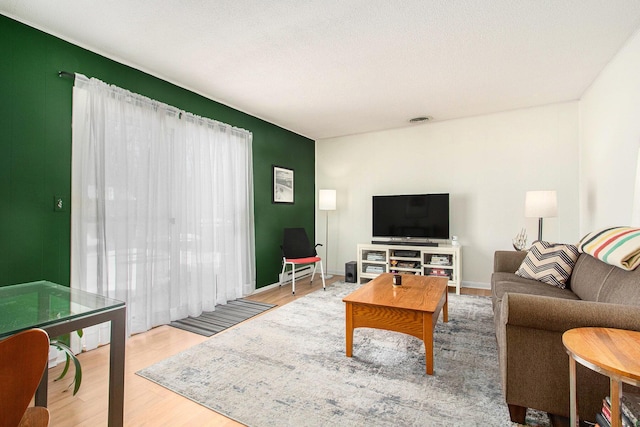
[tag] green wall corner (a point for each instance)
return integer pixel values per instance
(35, 155)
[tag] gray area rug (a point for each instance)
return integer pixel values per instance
(288, 368)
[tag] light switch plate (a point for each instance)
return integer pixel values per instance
(59, 205)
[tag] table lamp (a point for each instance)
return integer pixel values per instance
(541, 204)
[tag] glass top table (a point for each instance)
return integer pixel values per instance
(38, 304)
(61, 310)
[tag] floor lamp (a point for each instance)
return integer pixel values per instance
(541, 204)
(327, 202)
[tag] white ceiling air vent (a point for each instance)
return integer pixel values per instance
(420, 119)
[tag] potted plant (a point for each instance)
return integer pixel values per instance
(69, 357)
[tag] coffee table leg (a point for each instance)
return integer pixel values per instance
(445, 308)
(349, 331)
(427, 337)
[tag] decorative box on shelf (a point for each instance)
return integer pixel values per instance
(440, 260)
(375, 256)
(374, 269)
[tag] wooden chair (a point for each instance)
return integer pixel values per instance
(297, 250)
(23, 359)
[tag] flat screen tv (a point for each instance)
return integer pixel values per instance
(411, 216)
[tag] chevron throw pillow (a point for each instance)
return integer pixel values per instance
(550, 263)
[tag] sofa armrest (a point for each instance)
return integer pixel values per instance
(560, 315)
(507, 261)
(534, 364)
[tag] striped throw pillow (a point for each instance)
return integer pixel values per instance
(550, 263)
(619, 246)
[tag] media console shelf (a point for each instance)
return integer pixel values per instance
(443, 261)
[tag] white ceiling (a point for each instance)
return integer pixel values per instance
(325, 68)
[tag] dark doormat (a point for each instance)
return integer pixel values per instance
(223, 317)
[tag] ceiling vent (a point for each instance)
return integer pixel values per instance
(421, 119)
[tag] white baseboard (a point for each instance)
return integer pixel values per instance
(265, 288)
(476, 285)
(464, 284)
(55, 357)
(300, 273)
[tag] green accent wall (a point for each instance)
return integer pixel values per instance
(35, 155)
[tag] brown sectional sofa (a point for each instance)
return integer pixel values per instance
(530, 318)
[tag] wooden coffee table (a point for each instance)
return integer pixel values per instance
(412, 308)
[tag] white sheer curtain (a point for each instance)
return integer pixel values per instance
(162, 207)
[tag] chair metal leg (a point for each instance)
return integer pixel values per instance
(322, 275)
(293, 274)
(284, 265)
(313, 273)
(293, 279)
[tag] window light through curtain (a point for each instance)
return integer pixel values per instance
(162, 207)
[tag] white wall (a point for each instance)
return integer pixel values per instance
(486, 163)
(609, 141)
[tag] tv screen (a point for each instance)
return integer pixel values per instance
(413, 215)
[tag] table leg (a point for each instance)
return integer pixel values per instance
(42, 390)
(349, 328)
(41, 396)
(616, 391)
(116, 369)
(445, 308)
(573, 402)
(427, 337)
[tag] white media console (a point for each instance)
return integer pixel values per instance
(442, 261)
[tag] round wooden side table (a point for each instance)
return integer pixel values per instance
(611, 352)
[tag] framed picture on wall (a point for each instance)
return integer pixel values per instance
(282, 185)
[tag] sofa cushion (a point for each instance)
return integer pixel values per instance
(621, 287)
(551, 263)
(508, 261)
(588, 277)
(619, 246)
(509, 282)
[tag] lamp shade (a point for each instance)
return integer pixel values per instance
(327, 200)
(541, 204)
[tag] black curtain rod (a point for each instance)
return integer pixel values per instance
(66, 74)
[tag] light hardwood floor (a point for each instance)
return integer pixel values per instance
(146, 403)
